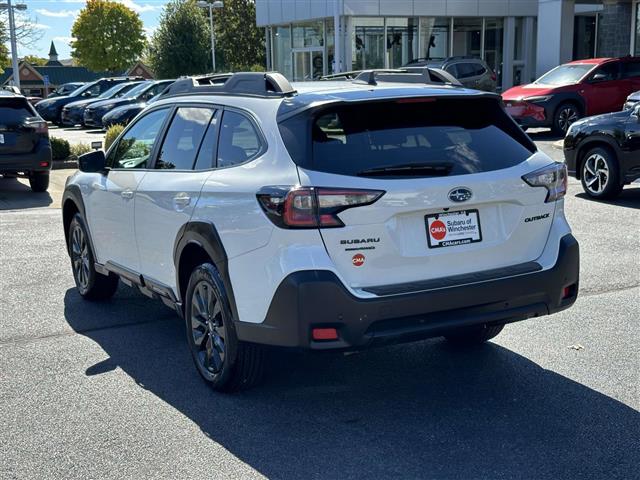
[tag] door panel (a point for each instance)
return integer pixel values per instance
(110, 208)
(167, 195)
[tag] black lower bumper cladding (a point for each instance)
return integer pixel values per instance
(317, 299)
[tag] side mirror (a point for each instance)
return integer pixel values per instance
(598, 77)
(92, 162)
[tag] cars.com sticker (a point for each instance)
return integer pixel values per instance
(357, 260)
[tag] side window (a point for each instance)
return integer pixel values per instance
(183, 139)
(452, 69)
(466, 70)
(239, 140)
(479, 69)
(606, 73)
(93, 91)
(134, 148)
(631, 70)
(207, 154)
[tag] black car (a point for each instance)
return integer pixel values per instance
(124, 114)
(65, 89)
(604, 152)
(51, 108)
(24, 141)
(632, 100)
(73, 113)
(139, 94)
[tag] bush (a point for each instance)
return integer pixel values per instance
(112, 134)
(60, 149)
(78, 149)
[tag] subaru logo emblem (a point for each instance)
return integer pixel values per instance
(460, 194)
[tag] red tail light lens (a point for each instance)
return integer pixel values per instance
(312, 207)
(493, 76)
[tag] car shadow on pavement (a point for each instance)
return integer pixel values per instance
(630, 198)
(417, 410)
(16, 195)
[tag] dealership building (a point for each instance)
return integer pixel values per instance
(519, 39)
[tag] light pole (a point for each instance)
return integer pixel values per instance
(211, 5)
(12, 36)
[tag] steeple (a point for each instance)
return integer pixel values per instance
(53, 57)
(53, 54)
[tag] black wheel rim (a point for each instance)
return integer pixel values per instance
(567, 116)
(80, 257)
(207, 329)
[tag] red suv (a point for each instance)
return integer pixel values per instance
(577, 89)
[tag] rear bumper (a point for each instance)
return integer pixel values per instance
(317, 299)
(27, 162)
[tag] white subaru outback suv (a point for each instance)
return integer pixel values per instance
(336, 216)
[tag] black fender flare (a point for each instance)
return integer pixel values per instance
(204, 235)
(73, 194)
(569, 97)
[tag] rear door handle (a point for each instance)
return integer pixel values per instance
(181, 200)
(127, 194)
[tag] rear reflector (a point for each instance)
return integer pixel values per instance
(44, 164)
(324, 334)
(569, 291)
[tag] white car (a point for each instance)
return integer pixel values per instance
(342, 215)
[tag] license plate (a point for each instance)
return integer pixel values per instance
(1, 138)
(448, 229)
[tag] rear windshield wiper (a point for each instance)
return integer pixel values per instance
(409, 170)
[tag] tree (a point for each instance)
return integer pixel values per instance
(180, 45)
(108, 36)
(35, 60)
(5, 61)
(240, 44)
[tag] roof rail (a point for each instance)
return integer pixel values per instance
(258, 84)
(424, 75)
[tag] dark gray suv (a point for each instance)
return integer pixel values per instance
(472, 72)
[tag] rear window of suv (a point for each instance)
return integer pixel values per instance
(425, 137)
(15, 110)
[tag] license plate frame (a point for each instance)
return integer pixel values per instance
(455, 238)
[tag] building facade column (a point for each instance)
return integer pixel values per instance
(555, 34)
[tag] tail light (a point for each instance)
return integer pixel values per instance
(552, 177)
(311, 207)
(494, 76)
(41, 127)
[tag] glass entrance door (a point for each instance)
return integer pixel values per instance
(308, 64)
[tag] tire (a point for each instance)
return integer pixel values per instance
(91, 285)
(565, 115)
(474, 335)
(39, 181)
(225, 363)
(600, 174)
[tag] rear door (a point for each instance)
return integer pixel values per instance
(604, 89)
(16, 134)
(631, 73)
(454, 201)
(168, 193)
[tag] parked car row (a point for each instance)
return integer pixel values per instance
(89, 103)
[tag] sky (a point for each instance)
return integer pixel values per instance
(54, 19)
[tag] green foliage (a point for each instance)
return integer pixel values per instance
(181, 45)
(78, 149)
(5, 61)
(240, 44)
(34, 60)
(60, 148)
(112, 133)
(109, 36)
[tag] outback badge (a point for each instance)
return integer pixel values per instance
(460, 194)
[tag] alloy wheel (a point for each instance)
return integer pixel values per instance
(596, 173)
(207, 329)
(80, 257)
(566, 117)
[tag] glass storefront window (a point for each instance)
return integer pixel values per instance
(368, 43)
(493, 45)
(281, 42)
(434, 38)
(308, 34)
(330, 41)
(467, 35)
(402, 41)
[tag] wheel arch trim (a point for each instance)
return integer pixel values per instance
(594, 141)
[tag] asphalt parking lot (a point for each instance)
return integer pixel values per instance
(109, 391)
